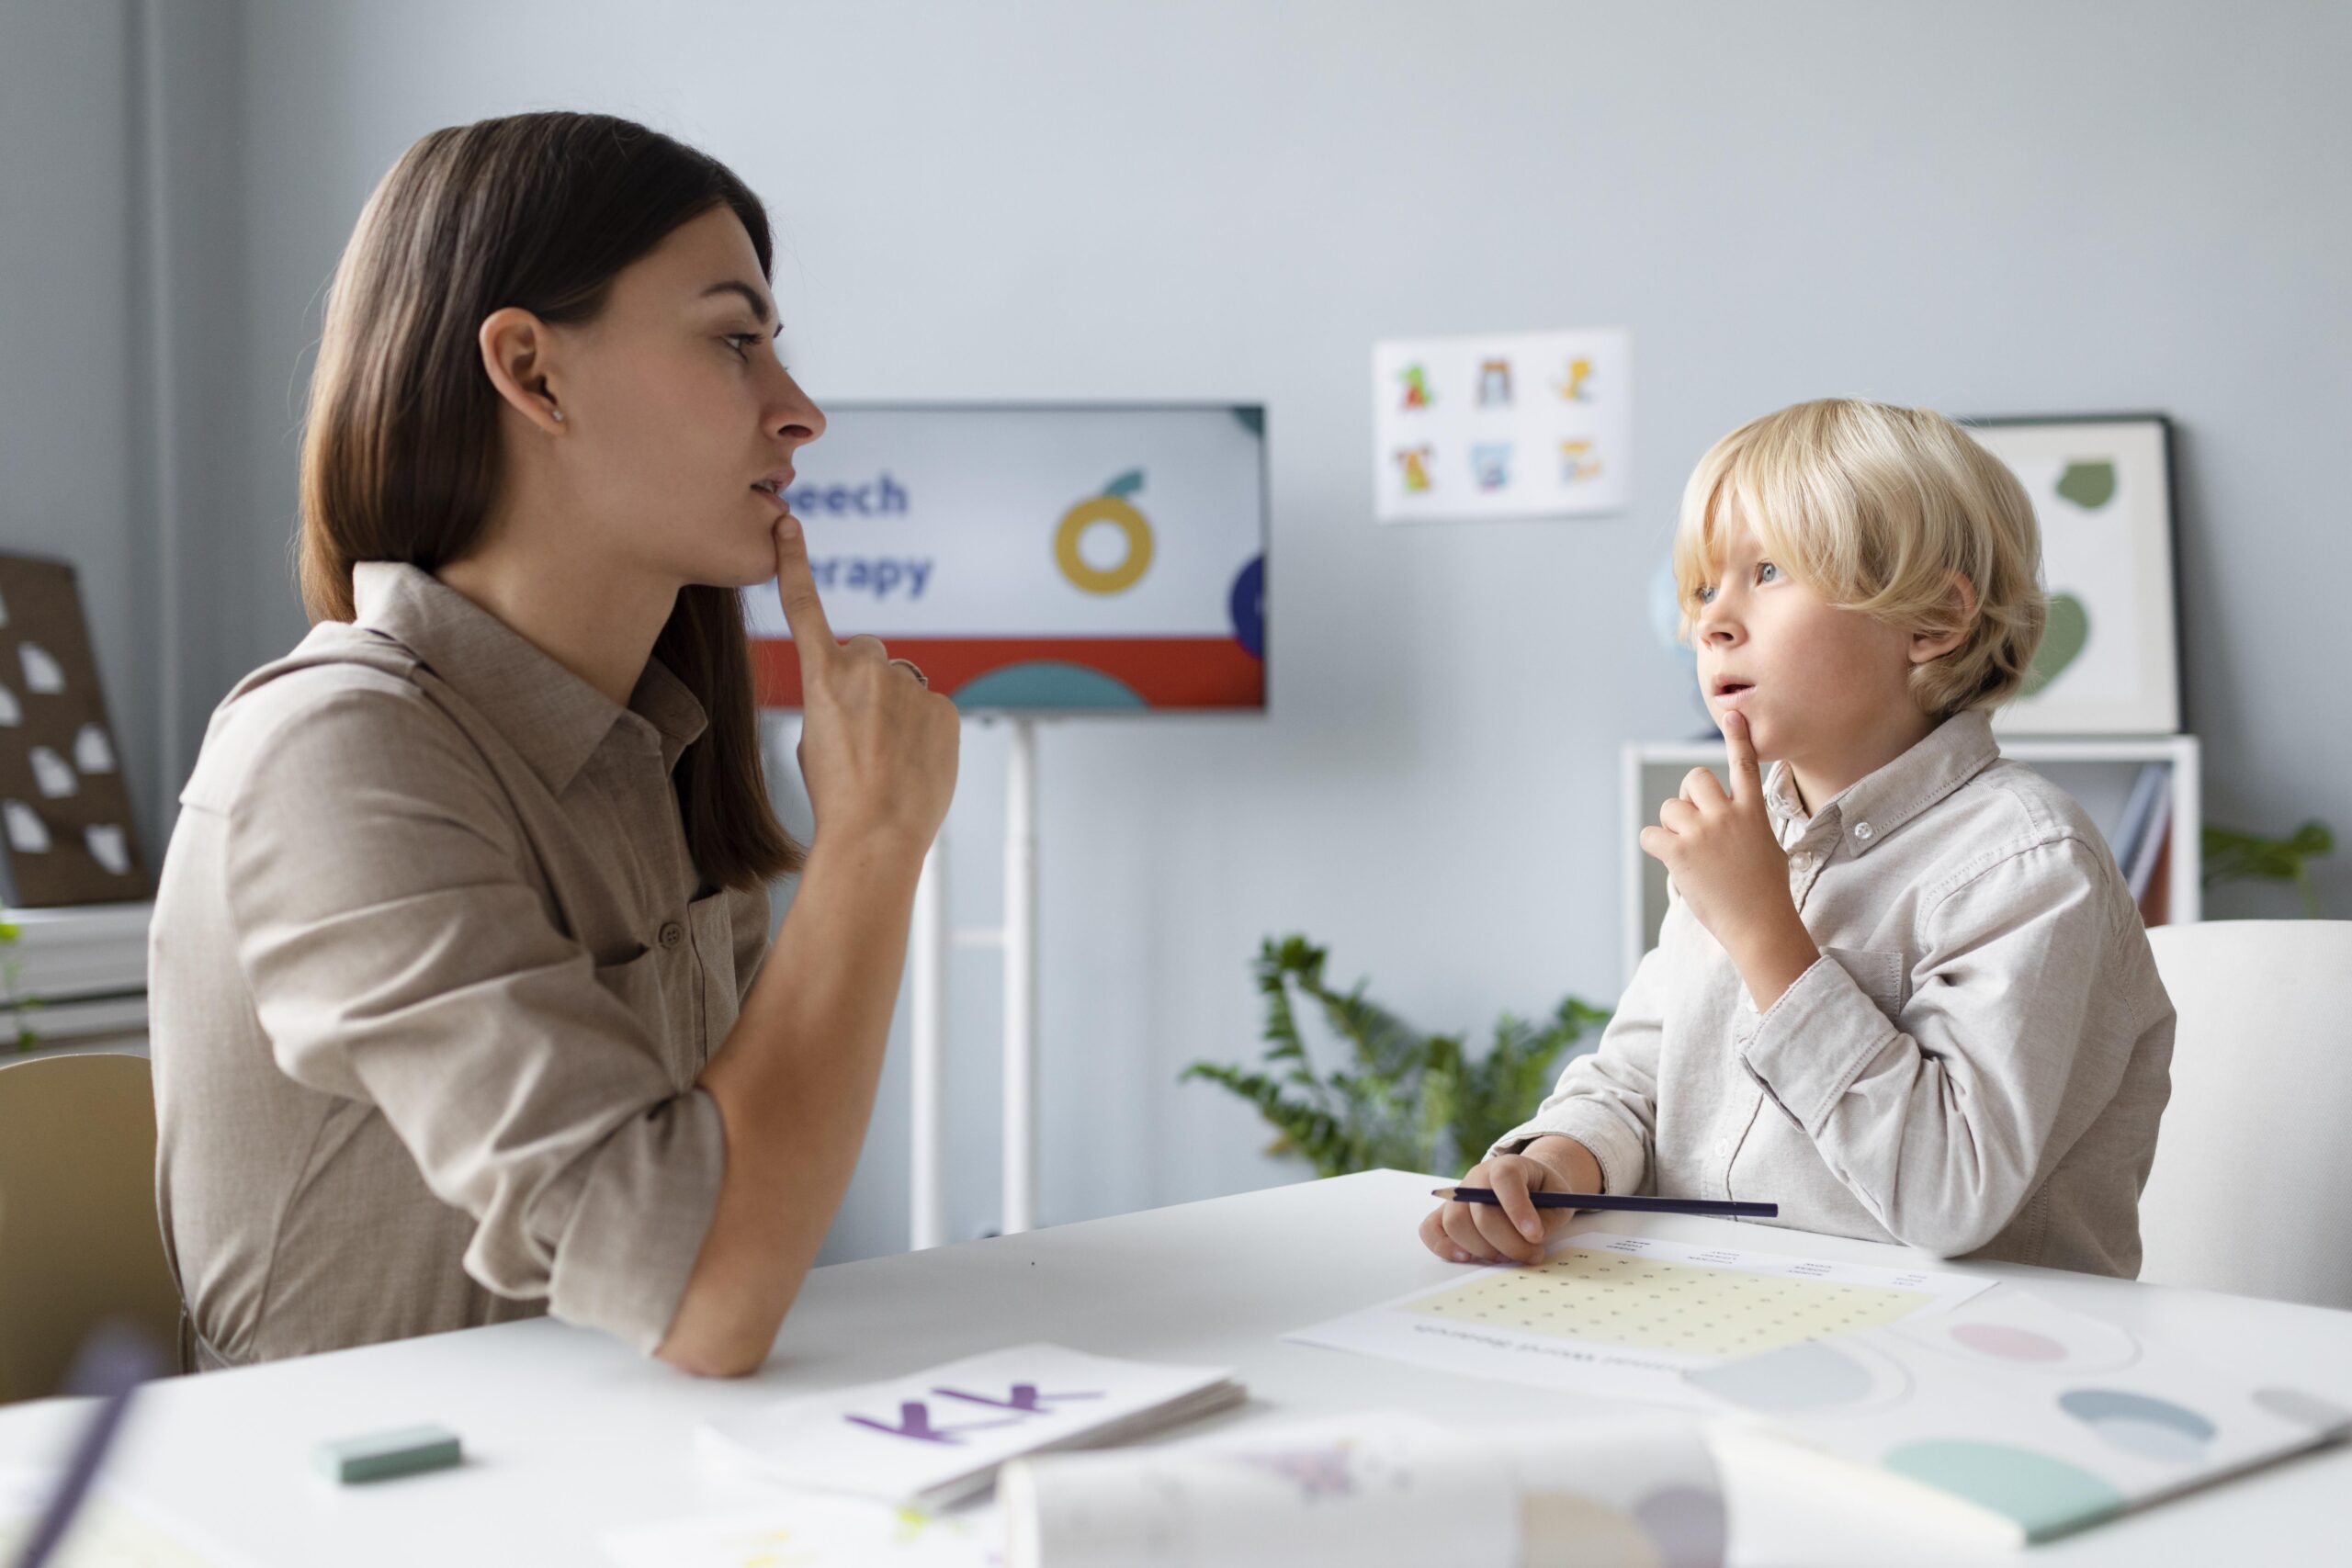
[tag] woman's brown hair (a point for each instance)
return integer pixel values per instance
(400, 441)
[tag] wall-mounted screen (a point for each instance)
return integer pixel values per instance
(1101, 558)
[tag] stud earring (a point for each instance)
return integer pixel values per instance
(558, 415)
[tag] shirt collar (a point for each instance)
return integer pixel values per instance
(554, 719)
(1874, 807)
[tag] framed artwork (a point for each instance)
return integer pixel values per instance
(2102, 489)
(66, 829)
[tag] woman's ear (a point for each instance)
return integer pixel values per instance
(1961, 601)
(517, 352)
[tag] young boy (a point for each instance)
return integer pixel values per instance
(1901, 990)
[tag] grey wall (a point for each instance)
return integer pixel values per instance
(1999, 207)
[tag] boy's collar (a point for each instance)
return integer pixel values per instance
(1873, 808)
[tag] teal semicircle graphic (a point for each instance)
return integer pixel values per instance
(2044, 1495)
(1048, 683)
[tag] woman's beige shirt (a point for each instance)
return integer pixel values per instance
(432, 978)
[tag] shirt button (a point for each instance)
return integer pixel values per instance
(673, 933)
(1800, 861)
(1862, 831)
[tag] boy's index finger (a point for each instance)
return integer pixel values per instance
(796, 590)
(1739, 750)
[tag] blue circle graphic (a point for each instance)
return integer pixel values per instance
(1248, 606)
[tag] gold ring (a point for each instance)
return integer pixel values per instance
(910, 666)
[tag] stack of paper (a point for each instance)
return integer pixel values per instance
(936, 1435)
(1378, 1491)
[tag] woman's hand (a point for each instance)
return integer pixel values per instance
(1517, 1230)
(877, 747)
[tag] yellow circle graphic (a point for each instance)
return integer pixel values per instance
(1104, 509)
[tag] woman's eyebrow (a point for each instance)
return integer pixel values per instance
(757, 299)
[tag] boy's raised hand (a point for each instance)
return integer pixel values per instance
(1730, 869)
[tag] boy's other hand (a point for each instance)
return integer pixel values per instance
(1729, 868)
(1514, 1232)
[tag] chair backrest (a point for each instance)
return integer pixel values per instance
(2253, 1176)
(79, 1239)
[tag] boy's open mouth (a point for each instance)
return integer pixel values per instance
(1730, 686)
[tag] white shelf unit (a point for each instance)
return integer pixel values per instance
(86, 967)
(2098, 773)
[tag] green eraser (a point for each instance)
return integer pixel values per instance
(379, 1456)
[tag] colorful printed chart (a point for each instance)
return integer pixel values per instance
(1385, 1489)
(1508, 424)
(2034, 1419)
(1058, 559)
(1626, 1316)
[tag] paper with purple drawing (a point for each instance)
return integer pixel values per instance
(936, 1435)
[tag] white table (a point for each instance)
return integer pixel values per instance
(569, 1435)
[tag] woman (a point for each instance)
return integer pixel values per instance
(463, 1006)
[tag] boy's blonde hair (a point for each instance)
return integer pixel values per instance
(1876, 508)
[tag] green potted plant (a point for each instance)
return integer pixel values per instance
(2233, 854)
(1405, 1099)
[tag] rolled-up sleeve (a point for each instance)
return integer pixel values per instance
(1607, 1098)
(1938, 1120)
(399, 955)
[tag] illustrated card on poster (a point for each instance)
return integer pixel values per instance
(1377, 1490)
(1508, 424)
(935, 1435)
(2109, 662)
(65, 822)
(1625, 1317)
(2025, 1418)
(1071, 558)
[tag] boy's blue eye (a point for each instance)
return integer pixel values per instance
(1766, 572)
(1706, 595)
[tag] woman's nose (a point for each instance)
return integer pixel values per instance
(799, 420)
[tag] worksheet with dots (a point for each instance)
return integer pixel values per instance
(1625, 1315)
(1694, 1308)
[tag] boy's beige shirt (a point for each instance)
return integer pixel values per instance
(432, 976)
(1975, 1066)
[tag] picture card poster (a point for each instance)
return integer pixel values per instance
(1505, 425)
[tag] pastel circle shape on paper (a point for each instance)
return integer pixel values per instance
(2304, 1409)
(2137, 1424)
(1688, 1524)
(2009, 1343)
(1112, 507)
(1246, 605)
(1048, 683)
(2042, 1493)
(1810, 1376)
(1560, 1530)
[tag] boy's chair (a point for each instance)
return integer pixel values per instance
(79, 1239)
(2252, 1176)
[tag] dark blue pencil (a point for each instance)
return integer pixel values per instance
(1714, 1207)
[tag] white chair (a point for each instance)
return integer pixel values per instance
(2253, 1181)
